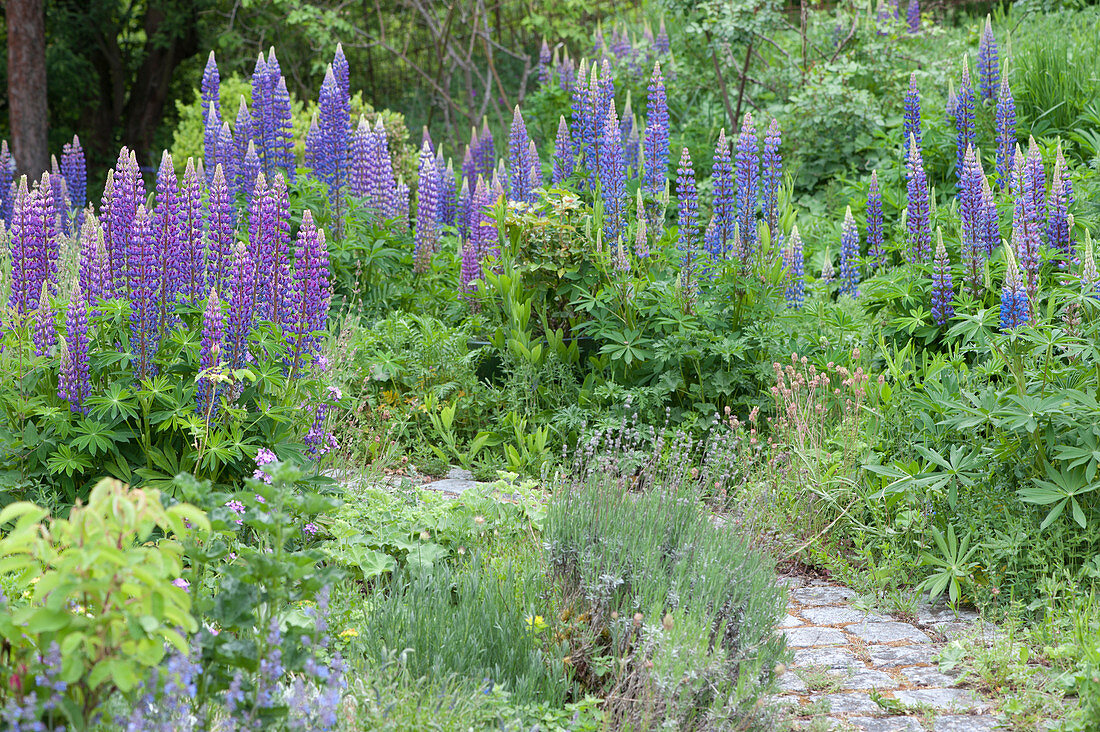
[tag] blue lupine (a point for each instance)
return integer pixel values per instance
(211, 111)
(1034, 182)
(74, 170)
(771, 176)
(595, 122)
(912, 16)
(795, 293)
(207, 391)
(1015, 308)
(656, 135)
(44, 335)
(1026, 237)
(281, 154)
(580, 125)
(333, 123)
(725, 202)
(566, 75)
(747, 164)
(1057, 224)
(875, 239)
(448, 197)
(519, 162)
(544, 64)
(1006, 134)
(485, 153)
(427, 209)
(612, 176)
(687, 198)
(211, 129)
(971, 204)
(563, 154)
(943, 293)
(143, 268)
(661, 43)
(911, 125)
(964, 119)
(849, 256)
(226, 157)
(919, 238)
(244, 133)
(989, 68)
(7, 184)
(342, 71)
(74, 378)
(991, 226)
(220, 215)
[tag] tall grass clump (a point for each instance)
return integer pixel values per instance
(674, 614)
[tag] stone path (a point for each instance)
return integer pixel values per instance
(868, 671)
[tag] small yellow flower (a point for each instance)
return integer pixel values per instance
(349, 633)
(536, 623)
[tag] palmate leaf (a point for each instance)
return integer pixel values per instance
(1062, 489)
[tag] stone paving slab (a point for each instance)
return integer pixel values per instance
(889, 632)
(812, 636)
(952, 699)
(885, 724)
(964, 723)
(832, 615)
(896, 656)
(846, 703)
(826, 657)
(827, 595)
(927, 676)
(867, 678)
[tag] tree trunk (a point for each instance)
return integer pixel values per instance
(28, 110)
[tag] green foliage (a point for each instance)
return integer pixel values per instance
(101, 592)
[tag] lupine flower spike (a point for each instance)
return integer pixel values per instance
(563, 153)
(793, 261)
(849, 256)
(989, 68)
(641, 234)
(519, 161)
(875, 251)
(747, 164)
(427, 209)
(919, 239)
(612, 175)
(1014, 301)
(770, 177)
(1006, 134)
(73, 381)
(656, 135)
(943, 293)
(912, 16)
(1057, 225)
(725, 202)
(964, 118)
(911, 126)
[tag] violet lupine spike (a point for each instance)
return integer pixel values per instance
(220, 215)
(470, 270)
(227, 159)
(244, 134)
(1015, 306)
(120, 202)
(911, 126)
(641, 233)
(1057, 224)
(469, 165)
(261, 248)
(276, 262)
(313, 294)
(1034, 181)
(661, 43)
(747, 164)
(793, 261)
(580, 125)
(342, 71)
(606, 90)
(263, 119)
(283, 143)
(242, 304)
(143, 272)
(333, 122)
(912, 16)
(964, 118)
(388, 203)
(211, 130)
(313, 146)
(519, 162)
(427, 210)
(989, 65)
(207, 391)
(45, 333)
(448, 195)
(687, 198)
(462, 218)
(849, 256)
(567, 75)
(943, 294)
(595, 126)
(28, 266)
(51, 225)
(483, 229)
(563, 154)
(991, 227)
(92, 269)
(544, 64)
(656, 135)
(725, 201)
(612, 176)
(7, 183)
(771, 176)
(534, 172)
(166, 233)
(74, 380)
(359, 162)
(1006, 134)
(919, 237)
(74, 169)
(485, 153)
(401, 205)
(1026, 238)
(501, 179)
(971, 205)
(211, 108)
(876, 252)
(250, 168)
(192, 254)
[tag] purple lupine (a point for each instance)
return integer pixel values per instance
(282, 153)
(687, 198)
(612, 176)
(92, 267)
(912, 16)
(581, 126)
(747, 164)
(1026, 237)
(1015, 307)
(244, 134)
(1033, 180)
(359, 170)
(313, 146)
(991, 227)
(227, 159)
(501, 181)
(656, 135)
(563, 154)
(919, 238)
(943, 293)
(849, 256)
(250, 168)
(641, 233)
(383, 174)
(74, 380)
(242, 307)
(211, 110)
(448, 194)
(401, 205)
(220, 216)
(485, 153)
(876, 252)
(427, 210)
(771, 175)
(262, 125)
(632, 149)
(1057, 223)
(971, 204)
(166, 233)
(911, 125)
(7, 183)
(462, 212)
(312, 294)
(567, 75)
(191, 258)
(342, 71)
(333, 122)
(1006, 134)
(261, 251)
(964, 119)
(725, 203)
(793, 261)
(120, 204)
(207, 391)
(143, 272)
(483, 229)
(51, 208)
(534, 171)
(274, 261)
(519, 162)
(989, 65)
(27, 251)
(606, 92)
(595, 126)
(544, 64)
(74, 170)
(44, 335)
(661, 42)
